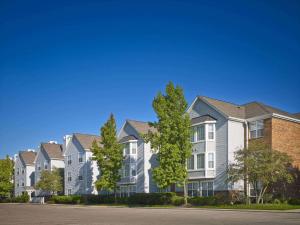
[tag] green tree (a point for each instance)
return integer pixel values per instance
(261, 166)
(6, 177)
(50, 181)
(172, 139)
(109, 157)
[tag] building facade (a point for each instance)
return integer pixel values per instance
(49, 157)
(221, 128)
(24, 173)
(81, 171)
(136, 173)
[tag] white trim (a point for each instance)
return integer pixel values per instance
(262, 117)
(190, 108)
(236, 119)
(203, 123)
(285, 118)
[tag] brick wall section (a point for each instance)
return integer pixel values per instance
(285, 137)
(268, 131)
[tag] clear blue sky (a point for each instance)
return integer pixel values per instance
(65, 65)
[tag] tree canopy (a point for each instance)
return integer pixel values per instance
(50, 181)
(261, 166)
(6, 177)
(172, 139)
(109, 156)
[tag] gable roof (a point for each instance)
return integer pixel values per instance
(53, 151)
(27, 157)
(201, 119)
(245, 111)
(86, 140)
(127, 138)
(227, 108)
(141, 127)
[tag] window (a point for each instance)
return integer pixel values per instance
(133, 169)
(80, 157)
(201, 161)
(198, 133)
(69, 160)
(127, 149)
(23, 170)
(18, 183)
(80, 177)
(207, 188)
(45, 165)
(211, 161)
(69, 191)
(190, 163)
(22, 183)
(256, 129)
(18, 171)
(193, 189)
(211, 131)
(39, 166)
(69, 176)
(126, 191)
(133, 148)
(127, 170)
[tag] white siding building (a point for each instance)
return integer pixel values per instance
(81, 171)
(136, 174)
(49, 157)
(24, 173)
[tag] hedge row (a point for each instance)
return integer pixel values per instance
(169, 198)
(19, 199)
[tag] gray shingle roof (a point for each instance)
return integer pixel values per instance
(248, 110)
(53, 151)
(27, 157)
(127, 138)
(201, 119)
(86, 140)
(141, 127)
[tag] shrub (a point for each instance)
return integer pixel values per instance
(177, 200)
(21, 199)
(199, 201)
(151, 198)
(69, 199)
(102, 199)
(294, 201)
(276, 201)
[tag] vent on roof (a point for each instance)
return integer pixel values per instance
(52, 142)
(30, 150)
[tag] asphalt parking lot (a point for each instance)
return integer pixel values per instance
(23, 214)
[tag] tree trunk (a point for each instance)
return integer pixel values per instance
(185, 193)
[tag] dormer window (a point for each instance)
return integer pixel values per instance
(256, 129)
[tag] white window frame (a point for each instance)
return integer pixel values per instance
(203, 168)
(191, 159)
(254, 127)
(39, 166)
(69, 191)
(213, 131)
(208, 160)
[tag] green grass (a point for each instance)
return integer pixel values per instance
(255, 206)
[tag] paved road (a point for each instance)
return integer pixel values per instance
(23, 214)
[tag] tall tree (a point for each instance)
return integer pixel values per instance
(50, 181)
(261, 166)
(6, 177)
(172, 139)
(109, 157)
